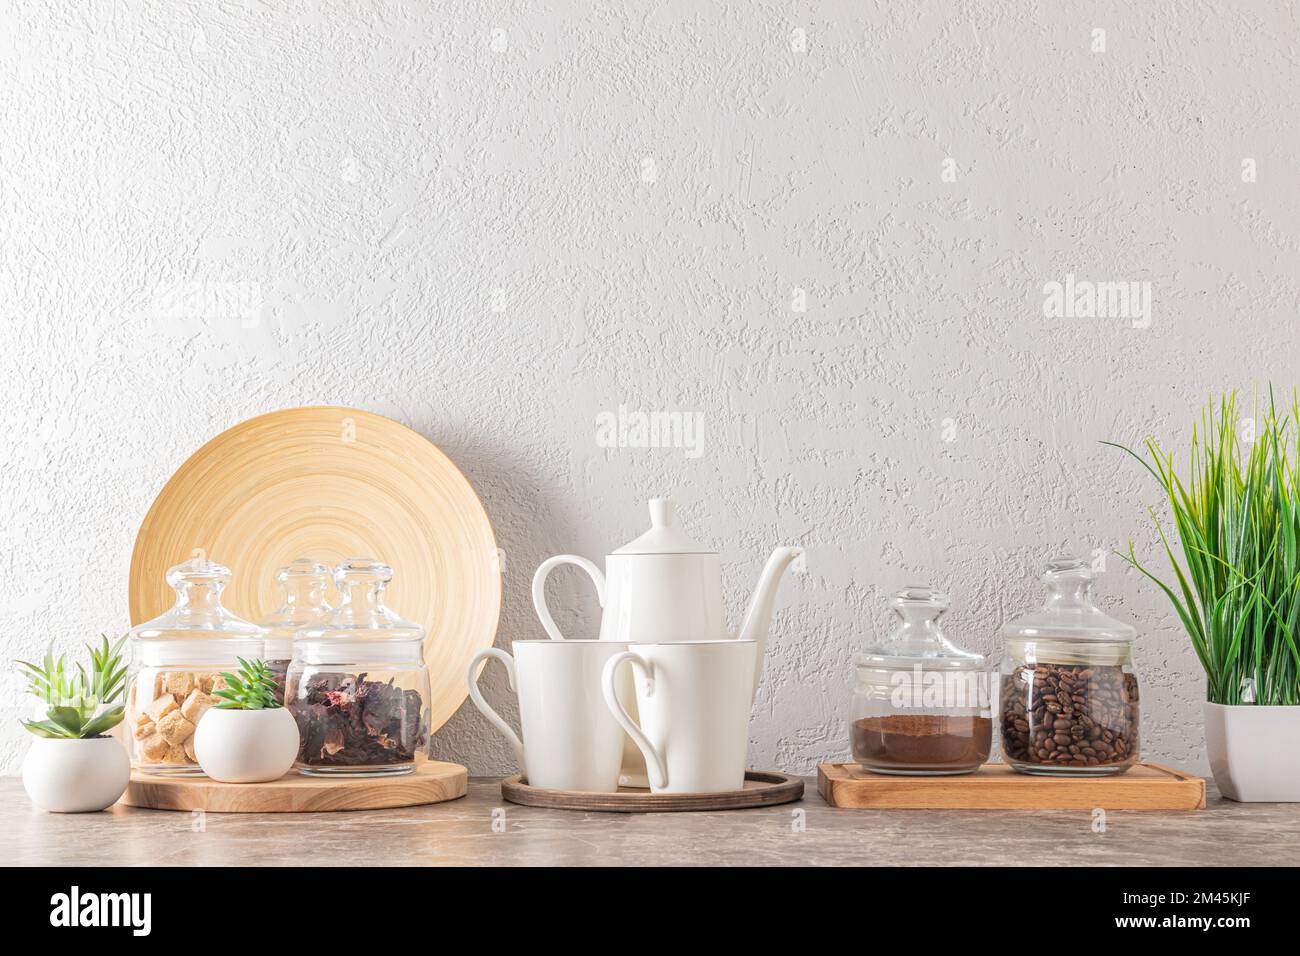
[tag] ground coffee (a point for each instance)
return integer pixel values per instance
(922, 743)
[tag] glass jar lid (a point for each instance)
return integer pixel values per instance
(918, 640)
(1069, 614)
(362, 627)
(197, 628)
(303, 586)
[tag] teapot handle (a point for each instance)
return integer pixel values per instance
(539, 589)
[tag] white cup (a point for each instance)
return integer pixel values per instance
(693, 699)
(570, 739)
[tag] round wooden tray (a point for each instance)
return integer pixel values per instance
(431, 782)
(762, 789)
(332, 483)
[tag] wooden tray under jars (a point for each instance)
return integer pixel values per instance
(995, 786)
(432, 781)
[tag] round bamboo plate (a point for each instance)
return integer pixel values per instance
(431, 782)
(762, 789)
(332, 483)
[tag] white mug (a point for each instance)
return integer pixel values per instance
(570, 739)
(693, 698)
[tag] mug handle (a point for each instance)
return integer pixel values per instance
(493, 717)
(655, 766)
(539, 589)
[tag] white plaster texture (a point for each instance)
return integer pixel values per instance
(495, 221)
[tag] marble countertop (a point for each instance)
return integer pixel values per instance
(481, 829)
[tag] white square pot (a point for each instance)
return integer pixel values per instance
(1254, 752)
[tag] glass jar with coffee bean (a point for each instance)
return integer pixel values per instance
(1069, 696)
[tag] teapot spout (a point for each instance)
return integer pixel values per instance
(759, 616)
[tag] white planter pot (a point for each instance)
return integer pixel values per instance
(76, 776)
(246, 746)
(1254, 752)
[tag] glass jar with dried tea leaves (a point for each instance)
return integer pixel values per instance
(358, 686)
(1069, 696)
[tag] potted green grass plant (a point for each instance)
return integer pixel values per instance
(73, 766)
(1236, 514)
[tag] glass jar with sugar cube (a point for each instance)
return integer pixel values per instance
(177, 660)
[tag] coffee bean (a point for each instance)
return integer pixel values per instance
(1070, 716)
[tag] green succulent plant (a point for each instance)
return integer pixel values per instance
(253, 689)
(74, 700)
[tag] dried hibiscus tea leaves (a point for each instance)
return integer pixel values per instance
(345, 720)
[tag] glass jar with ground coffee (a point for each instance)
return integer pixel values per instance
(303, 584)
(358, 686)
(1069, 696)
(921, 704)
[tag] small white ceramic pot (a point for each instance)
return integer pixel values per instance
(1254, 752)
(246, 746)
(76, 776)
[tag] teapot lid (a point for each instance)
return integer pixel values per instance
(663, 537)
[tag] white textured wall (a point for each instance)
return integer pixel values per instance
(452, 225)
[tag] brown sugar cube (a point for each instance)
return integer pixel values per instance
(145, 729)
(155, 748)
(175, 728)
(139, 718)
(195, 705)
(160, 708)
(210, 682)
(189, 749)
(159, 685)
(179, 684)
(176, 754)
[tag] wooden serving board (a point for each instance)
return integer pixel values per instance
(431, 782)
(995, 786)
(762, 789)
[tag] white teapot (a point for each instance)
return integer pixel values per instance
(665, 588)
